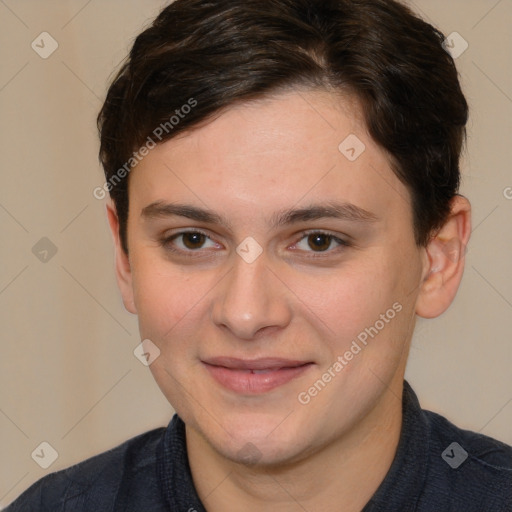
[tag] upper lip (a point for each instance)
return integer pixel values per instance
(264, 363)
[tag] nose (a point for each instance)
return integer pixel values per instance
(250, 301)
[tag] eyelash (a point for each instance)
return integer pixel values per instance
(166, 243)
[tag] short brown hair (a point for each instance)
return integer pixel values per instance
(221, 52)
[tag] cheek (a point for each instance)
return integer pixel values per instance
(347, 297)
(171, 306)
(165, 297)
(367, 302)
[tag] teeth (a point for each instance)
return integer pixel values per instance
(261, 371)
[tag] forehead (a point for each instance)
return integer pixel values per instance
(265, 155)
(293, 123)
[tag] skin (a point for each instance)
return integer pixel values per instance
(247, 165)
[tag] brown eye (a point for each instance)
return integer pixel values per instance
(193, 240)
(319, 241)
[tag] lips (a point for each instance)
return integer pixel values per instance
(254, 376)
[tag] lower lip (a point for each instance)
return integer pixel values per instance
(242, 381)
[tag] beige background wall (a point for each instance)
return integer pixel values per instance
(67, 372)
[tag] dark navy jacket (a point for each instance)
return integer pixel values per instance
(437, 468)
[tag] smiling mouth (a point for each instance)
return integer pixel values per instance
(254, 376)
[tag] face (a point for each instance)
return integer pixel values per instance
(277, 273)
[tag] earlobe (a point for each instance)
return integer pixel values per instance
(444, 262)
(122, 261)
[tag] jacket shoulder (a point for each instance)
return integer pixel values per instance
(95, 479)
(472, 469)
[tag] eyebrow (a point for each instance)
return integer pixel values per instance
(342, 211)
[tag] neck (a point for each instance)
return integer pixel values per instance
(345, 472)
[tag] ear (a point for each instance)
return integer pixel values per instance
(122, 262)
(444, 262)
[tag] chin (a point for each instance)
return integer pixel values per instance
(263, 440)
(262, 453)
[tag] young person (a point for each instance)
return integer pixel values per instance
(284, 178)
